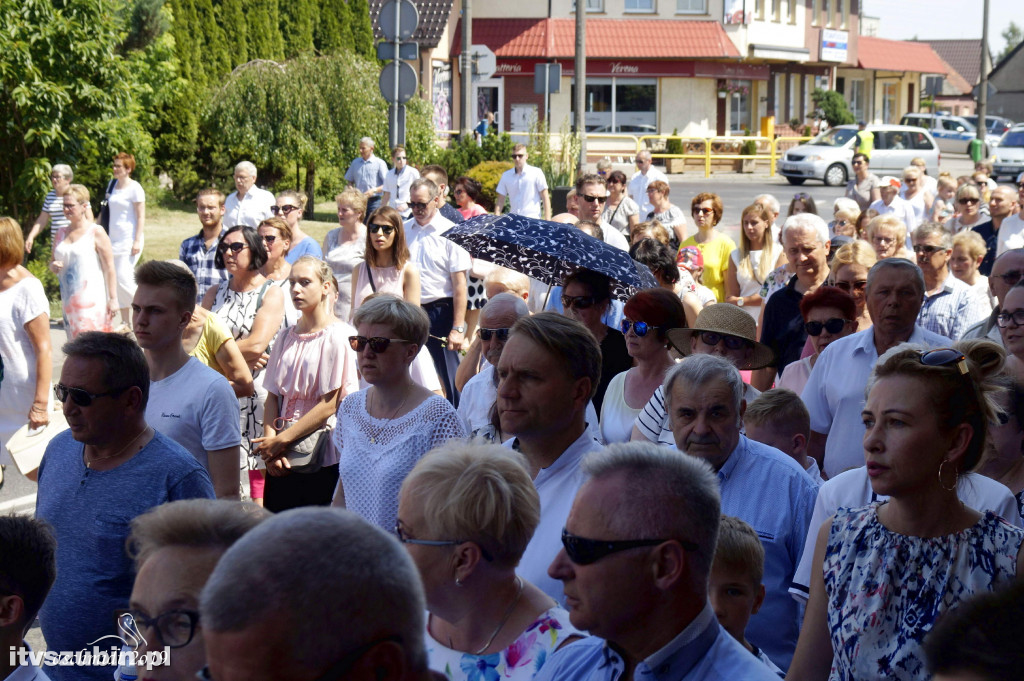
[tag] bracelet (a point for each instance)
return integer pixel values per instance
(42, 409)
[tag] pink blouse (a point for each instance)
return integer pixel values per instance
(477, 209)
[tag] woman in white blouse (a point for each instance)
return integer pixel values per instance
(126, 202)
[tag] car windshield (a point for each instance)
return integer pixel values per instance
(1014, 138)
(836, 137)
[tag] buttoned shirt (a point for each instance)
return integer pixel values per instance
(638, 184)
(523, 190)
(834, 394)
(556, 486)
(436, 258)
(366, 174)
(953, 309)
(397, 185)
(902, 209)
(1010, 234)
(703, 651)
(251, 210)
(201, 260)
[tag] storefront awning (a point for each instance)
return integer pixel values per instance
(879, 54)
(606, 38)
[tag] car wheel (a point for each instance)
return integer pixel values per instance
(835, 175)
(796, 180)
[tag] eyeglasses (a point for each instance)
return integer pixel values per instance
(402, 537)
(944, 357)
(518, 155)
(713, 338)
(387, 229)
(416, 205)
(378, 343)
(399, 158)
(858, 163)
(578, 302)
(1020, 185)
(287, 210)
(269, 239)
(926, 249)
(1009, 278)
(487, 334)
(858, 285)
(909, 179)
(337, 671)
(592, 199)
(639, 328)
(235, 248)
(703, 211)
(832, 325)
(83, 398)
(583, 551)
(175, 627)
(967, 201)
(1003, 319)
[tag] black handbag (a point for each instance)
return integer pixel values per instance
(104, 217)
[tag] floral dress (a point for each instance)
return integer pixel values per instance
(519, 662)
(885, 590)
(83, 290)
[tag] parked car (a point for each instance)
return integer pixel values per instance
(953, 133)
(996, 125)
(828, 156)
(1009, 157)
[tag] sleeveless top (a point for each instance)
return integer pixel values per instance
(83, 289)
(386, 279)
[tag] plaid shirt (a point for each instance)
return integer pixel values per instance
(199, 259)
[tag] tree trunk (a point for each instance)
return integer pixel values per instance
(310, 184)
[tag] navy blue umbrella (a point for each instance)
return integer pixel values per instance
(548, 251)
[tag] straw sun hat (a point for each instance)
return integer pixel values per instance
(728, 319)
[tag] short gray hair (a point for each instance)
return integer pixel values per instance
(769, 202)
(699, 370)
(430, 185)
(330, 580)
(369, 141)
(899, 264)
(808, 221)
(644, 154)
(64, 170)
(246, 166)
(843, 203)
(929, 229)
(506, 300)
(681, 497)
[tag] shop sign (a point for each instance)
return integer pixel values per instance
(833, 45)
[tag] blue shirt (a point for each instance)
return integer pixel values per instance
(703, 651)
(367, 174)
(769, 490)
(200, 260)
(90, 512)
(307, 246)
(953, 309)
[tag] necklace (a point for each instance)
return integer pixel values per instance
(88, 464)
(504, 620)
(387, 421)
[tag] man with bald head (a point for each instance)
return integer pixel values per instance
(1006, 271)
(1011, 230)
(1001, 206)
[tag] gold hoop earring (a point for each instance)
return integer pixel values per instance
(956, 479)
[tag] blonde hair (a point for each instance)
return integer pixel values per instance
(657, 230)
(739, 548)
(892, 222)
(321, 269)
(854, 253)
(79, 192)
(514, 282)
(780, 409)
(972, 242)
(12, 247)
(300, 197)
(353, 198)
(768, 254)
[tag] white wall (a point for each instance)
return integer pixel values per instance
(688, 104)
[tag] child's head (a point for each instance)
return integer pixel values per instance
(736, 591)
(946, 187)
(779, 418)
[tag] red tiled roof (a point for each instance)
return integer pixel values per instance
(606, 38)
(955, 80)
(898, 55)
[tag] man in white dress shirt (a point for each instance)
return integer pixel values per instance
(248, 204)
(591, 194)
(525, 187)
(645, 174)
(397, 183)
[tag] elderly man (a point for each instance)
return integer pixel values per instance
(357, 613)
(28, 567)
(591, 194)
(806, 243)
(1001, 205)
(547, 374)
(1006, 271)
(107, 468)
(525, 187)
(496, 321)
(199, 252)
(636, 574)
(759, 484)
(248, 204)
(1011, 229)
(834, 393)
(950, 306)
(367, 173)
(644, 175)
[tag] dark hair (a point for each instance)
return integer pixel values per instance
(470, 186)
(179, 280)
(257, 252)
(399, 247)
(804, 198)
(617, 176)
(829, 296)
(124, 364)
(863, 157)
(591, 228)
(658, 257)
(28, 562)
(658, 307)
(589, 178)
(599, 284)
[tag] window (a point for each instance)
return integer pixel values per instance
(826, 13)
(776, 11)
(759, 10)
(890, 102)
(739, 106)
(639, 5)
(815, 11)
(844, 14)
(791, 90)
(855, 98)
(626, 105)
(691, 7)
(780, 92)
(792, 10)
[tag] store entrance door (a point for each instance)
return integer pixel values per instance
(489, 95)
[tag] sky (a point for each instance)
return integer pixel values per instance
(943, 19)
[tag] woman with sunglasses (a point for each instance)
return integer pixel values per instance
(467, 197)
(252, 309)
(344, 246)
(466, 513)
(715, 247)
(647, 317)
(884, 573)
(290, 207)
(385, 266)
(620, 211)
(750, 264)
(386, 428)
(913, 193)
(310, 370)
(968, 210)
(276, 234)
(829, 314)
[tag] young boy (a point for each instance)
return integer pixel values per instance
(779, 418)
(736, 591)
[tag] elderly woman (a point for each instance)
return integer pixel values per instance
(647, 317)
(715, 247)
(667, 213)
(53, 206)
(968, 207)
(344, 246)
(863, 186)
(620, 211)
(126, 201)
(648, 230)
(829, 314)
(849, 272)
(175, 547)
(276, 234)
(886, 572)
(849, 210)
(969, 250)
(887, 234)
(915, 194)
(468, 193)
(290, 206)
(386, 428)
(466, 513)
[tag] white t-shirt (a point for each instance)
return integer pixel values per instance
(196, 407)
(523, 190)
(123, 220)
(251, 210)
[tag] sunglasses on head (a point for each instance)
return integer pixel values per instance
(417, 205)
(926, 249)
(287, 210)
(83, 398)
(583, 551)
(578, 302)
(375, 228)
(833, 325)
(592, 199)
(487, 334)
(945, 357)
(235, 248)
(377, 343)
(731, 342)
(639, 328)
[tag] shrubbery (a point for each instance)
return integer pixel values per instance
(488, 174)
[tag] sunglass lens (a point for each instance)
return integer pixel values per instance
(378, 344)
(358, 343)
(814, 328)
(835, 325)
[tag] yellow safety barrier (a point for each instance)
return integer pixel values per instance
(790, 142)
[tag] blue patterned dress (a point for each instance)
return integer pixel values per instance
(885, 590)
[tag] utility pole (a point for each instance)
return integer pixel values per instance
(581, 80)
(466, 59)
(986, 66)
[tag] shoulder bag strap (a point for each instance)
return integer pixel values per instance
(263, 290)
(369, 275)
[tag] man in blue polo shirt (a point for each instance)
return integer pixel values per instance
(367, 174)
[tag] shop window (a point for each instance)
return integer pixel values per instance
(890, 103)
(639, 5)
(855, 98)
(739, 106)
(691, 7)
(627, 105)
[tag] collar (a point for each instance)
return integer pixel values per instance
(677, 658)
(729, 467)
(586, 442)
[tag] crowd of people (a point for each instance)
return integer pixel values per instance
(801, 456)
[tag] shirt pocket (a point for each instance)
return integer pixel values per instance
(110, 534)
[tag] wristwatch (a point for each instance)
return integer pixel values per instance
(460, 329)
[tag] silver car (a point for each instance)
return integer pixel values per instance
(828, 156)
(1009, 157)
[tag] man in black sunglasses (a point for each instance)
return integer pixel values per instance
(1007, 270)
(636, 554)
(950, 306)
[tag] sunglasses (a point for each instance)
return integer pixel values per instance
(833, 325)
(518, 155)
(83, 398)
(582, 551)
(399, 158)
(858, 163)
(416, 205)
(286, 210)
(858, 285)
(1009, 278)
(967, 201)
(405, 539)
(578, 302)
(235, 248)
(732, 342)
(487, 334)
(945, 357)
(927, 250)
(375, 228)
(639, 328)
(592, 199)
(269, 239)
(378, 343)
(703, 211)
(1004, 318)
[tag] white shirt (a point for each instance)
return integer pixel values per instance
(1011, 234)
(834, 394)
(523, 190)
(397, 187)
(613, 237)
(852, 489)
(477, 398)
(638, 187)
(253, 209)
(902, 210)
(436, 258)
(27, 671)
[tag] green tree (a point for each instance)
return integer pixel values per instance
(1013, 36)
(334, 30)
(264, 24)
(231, 18)
(833, 106)
(298, 21)
(362, 29)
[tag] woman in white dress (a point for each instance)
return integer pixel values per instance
(344, 246)
(753, 261)
(127, 205)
